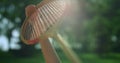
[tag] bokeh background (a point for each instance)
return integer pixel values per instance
(92, 30)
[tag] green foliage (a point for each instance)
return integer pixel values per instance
(93, 32)
(103, 23)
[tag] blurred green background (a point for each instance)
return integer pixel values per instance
(94, 33)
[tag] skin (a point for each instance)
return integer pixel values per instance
(48, 51)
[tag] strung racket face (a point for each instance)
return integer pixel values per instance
(40, 18)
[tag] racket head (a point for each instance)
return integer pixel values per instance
(38, 23)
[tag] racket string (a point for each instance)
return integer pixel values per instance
(44, 19)
(41, 20)
(49, 12)
(46, 14)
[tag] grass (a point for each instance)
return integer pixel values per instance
(93, 58)
(38, 58)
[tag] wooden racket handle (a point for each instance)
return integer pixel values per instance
(49, 52)
(67, 50)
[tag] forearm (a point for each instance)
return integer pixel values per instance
(49, 52)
